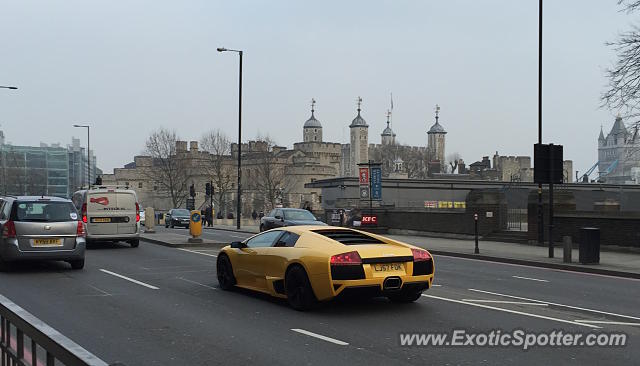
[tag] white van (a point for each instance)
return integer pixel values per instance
(111, 214)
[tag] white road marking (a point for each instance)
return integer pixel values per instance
(507, 302)
(540, 268)
(197, 283)
(556, 304)
(130, 279)
(320, 336)
(512, 311)
(606, 322)
(530, 279)
(436, 285)
(193, 251)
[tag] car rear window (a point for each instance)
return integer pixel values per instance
(43, 211)
(348, 237)
(298, 215)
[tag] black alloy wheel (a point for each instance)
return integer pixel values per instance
(226, 280)
(298, 289)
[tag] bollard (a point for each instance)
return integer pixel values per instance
(567, 247)
(195, 226)
(477, 249)
(149, 222)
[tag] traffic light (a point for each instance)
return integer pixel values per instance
(207, 189)
(192, 190)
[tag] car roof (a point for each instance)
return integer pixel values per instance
(38, 198)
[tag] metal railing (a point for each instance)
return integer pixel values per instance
(27, 341)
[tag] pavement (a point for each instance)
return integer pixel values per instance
(158, 305)
(623, 263)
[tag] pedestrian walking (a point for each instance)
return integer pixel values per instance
(254, 215)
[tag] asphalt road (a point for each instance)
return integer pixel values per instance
(174, 314)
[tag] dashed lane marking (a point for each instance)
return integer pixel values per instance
(320, 336)
(129, 279)
(529, 279)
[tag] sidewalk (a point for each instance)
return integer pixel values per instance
(177, 240)
(611, 263)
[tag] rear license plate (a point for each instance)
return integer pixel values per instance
(47, 242)
(101, 219)
(387, 267)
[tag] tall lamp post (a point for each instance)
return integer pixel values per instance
(88, 155)
(239, 52)
(4, 172)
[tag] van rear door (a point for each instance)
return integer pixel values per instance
(102, 213)
(127, 208)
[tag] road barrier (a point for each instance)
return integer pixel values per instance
(27, 341)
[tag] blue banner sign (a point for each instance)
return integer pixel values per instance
(376, 183)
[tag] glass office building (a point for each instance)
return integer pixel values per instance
(31, 170)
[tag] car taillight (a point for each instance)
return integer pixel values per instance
(350, 258)
(137, 212)
(80, 231)
(9, 230)
(84, 213)
(420, 255)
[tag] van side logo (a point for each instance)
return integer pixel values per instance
(100, 200)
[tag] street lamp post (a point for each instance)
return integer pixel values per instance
(4, 171)
(239, 52)
(8, 87)
(88, 155)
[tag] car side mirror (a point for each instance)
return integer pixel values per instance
(238, 245)
(278, 217)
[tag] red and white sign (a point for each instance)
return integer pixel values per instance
(100, 200)
(364, 176)
(369, 220)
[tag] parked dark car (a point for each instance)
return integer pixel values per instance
(177, 217)
(280, 217)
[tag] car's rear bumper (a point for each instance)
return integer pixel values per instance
(113, 237)
(9, 251)
(372, 287)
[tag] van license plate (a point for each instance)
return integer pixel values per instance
(47, 242)
(101, 219)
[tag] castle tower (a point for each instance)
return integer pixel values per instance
(388, 137)
(359, 148)
(312, 130)
(436, 143)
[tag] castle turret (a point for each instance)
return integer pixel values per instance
(312, 130)
(388, 137)
(359, 148)
(436, 136)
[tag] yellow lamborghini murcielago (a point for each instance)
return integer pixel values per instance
(307, 264)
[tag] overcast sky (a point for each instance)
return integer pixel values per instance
(129, 67)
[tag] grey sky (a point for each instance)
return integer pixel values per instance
(128, 67)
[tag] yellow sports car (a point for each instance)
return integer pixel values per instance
(307, 264)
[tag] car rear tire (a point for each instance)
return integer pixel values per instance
(226, 280)
(134, 243)
(77, 264)
(405, 296)
(298, 289)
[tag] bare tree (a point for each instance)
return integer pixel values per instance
(623, 92)
(267, 172)
(453, 159)
(168, 169)
(219, 165)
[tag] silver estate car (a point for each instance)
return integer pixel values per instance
(41, 228)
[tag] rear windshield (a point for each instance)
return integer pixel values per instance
(181, 212)
(298, 215)
(43, 211)
(349, 237)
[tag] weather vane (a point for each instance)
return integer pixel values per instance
(437, 112)
(313, 104)
(388, 115)
(359, 103)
